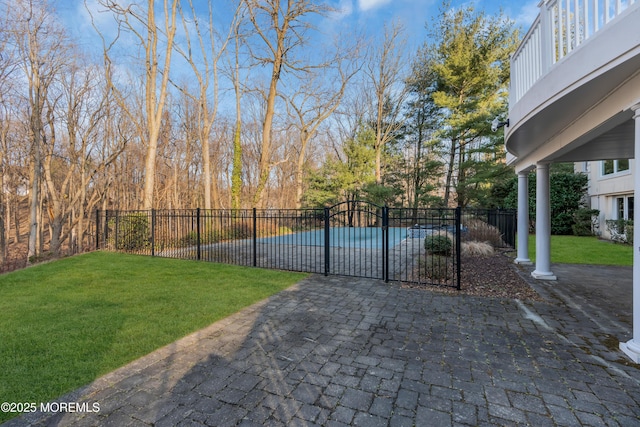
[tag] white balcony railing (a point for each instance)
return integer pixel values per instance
(561, 26)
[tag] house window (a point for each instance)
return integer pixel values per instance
(620, 207)
(610, 167)
(624, 207)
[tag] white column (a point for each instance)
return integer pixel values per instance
(632, 348)
(523, 219)
(543, 225)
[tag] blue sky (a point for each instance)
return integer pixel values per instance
(365, 15)
(371, 15)
(416, 13)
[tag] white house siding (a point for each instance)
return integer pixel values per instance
(603, 192)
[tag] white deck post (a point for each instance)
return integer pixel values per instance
(547, 32)
(543, 225)
(523, 218)
(632, 347)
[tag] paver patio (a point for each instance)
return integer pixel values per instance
(339, 351)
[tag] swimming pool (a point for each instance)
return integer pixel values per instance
(341, 237)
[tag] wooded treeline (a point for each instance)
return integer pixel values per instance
(180, 105)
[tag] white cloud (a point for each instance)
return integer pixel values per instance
(528, 14)
(343, 10)
(90, 13)
(365, 5)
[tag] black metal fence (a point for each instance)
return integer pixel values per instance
(352, 238)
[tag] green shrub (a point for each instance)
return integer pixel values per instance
(584, 221)
(239, 231)
(190, 239)
(283, 229)
(131, 232)
(207, 237)
(438, 244)
(439, 268)
(567, 190)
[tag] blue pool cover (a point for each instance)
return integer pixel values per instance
(343, 237)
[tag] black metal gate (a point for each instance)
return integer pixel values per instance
(356, 240)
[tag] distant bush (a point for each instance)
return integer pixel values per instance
(439, 268)
(130, 231)
(207, 237)
(584, 221)
(567, 191)
(439, 243)
(283, 229)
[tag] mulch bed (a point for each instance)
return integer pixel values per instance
(493, 276)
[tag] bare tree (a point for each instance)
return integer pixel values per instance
(210, 51)
(42, 45)
(281, 26)
(385, 73)
(8, 68)
(311, 106)
(150, 37)
(69, 161)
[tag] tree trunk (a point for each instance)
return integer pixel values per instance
(206, 171)
(264, 166)
(236, 173)
(299, 177)
(34, 200)
(450, 169)
(461, 193)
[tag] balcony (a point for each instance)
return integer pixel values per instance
(574, 79)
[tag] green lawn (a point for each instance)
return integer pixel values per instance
(65, 323)
(585, 250)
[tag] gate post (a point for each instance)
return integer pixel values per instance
(327, 252)
(458, 243)
(385, 242)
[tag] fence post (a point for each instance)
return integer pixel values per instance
(153, 232)
(327, 251)
(117, 229)
(198, 240)
(458, 243)
(105, 234)
(255, 238)
(512, 219)
(97, 229)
